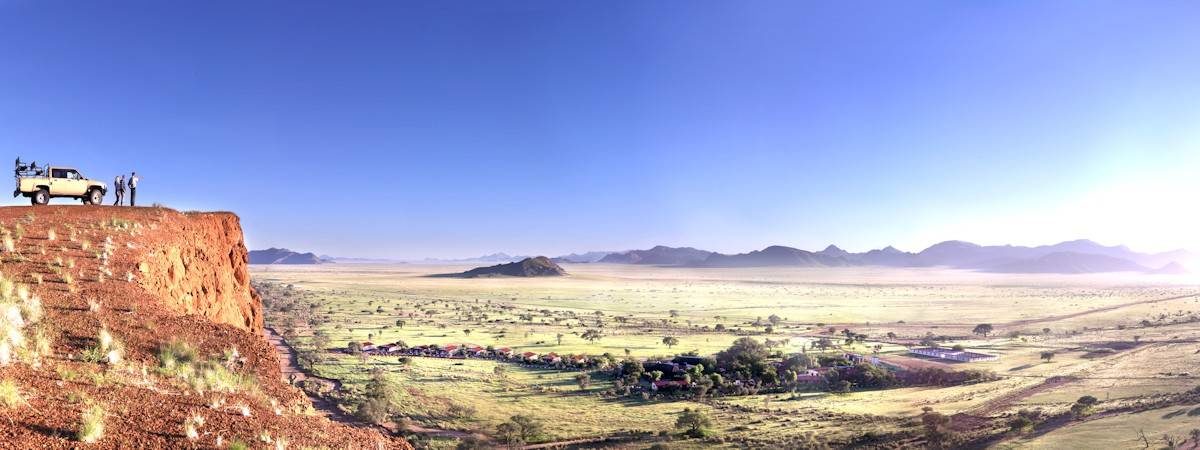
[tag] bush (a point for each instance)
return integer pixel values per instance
(1084, 406)
(175, 353)
(91, 427)
(10, 396)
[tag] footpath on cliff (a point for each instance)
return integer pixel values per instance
(137, 327)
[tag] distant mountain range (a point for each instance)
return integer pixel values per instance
(660, 255)
(588, 257)
(283, 256)
(1080, 256)
(493, 258)
(539, 266)
(351, 260)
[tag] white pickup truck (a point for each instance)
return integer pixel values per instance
(41, 184)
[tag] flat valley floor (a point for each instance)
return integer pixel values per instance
(1126, 339)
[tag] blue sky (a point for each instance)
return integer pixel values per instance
(449, 129)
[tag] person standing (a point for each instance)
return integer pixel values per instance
(119, 189)
(133, 182)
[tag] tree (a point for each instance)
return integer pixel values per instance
(591, 335)
(519, 430)
(774, 319)
(320, 340)
(632, 370)
(984, 328)
(1024, 421)
(1083, 406)
(670, 341)
(694, 422)
(583, 380)
(354, 347)
(719, 327)
(380, 398)
(745, 350)
(823, 343)
(1047, 356)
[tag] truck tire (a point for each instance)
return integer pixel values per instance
(94, 197)
(41, 197)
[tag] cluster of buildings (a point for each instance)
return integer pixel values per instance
(952, 355)
(476, 351)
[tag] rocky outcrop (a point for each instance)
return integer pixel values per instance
(540, 266)
(197, 263)
(283, 256)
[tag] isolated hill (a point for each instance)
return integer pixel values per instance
(283, 256)
(775, 255)
(540, 266)
(659, 255)
(1070, 262)
(147, 277)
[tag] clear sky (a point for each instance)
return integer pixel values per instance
(451, 129)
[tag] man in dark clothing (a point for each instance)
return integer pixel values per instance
(133, 182)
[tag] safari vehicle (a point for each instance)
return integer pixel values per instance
(41, 184)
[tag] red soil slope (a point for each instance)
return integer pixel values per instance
(189, 283)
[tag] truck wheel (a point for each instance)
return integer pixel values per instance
(94, 197)
(41, 197)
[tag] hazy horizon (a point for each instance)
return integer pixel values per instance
(452, 130)
(700, 247)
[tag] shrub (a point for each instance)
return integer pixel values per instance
(175, 353)
(178, 359)
(1083, 406)
(191, 426)
(91, 427)
(10, 395)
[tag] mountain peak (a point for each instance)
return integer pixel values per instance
(1171, 268)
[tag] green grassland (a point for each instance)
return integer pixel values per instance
(636, 306)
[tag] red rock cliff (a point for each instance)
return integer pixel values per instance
(197, 264)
